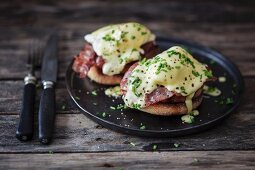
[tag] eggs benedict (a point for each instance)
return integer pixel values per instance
(111, 50)
(171, 83)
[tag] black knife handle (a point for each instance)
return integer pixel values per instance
(47, 113)
(25, 127)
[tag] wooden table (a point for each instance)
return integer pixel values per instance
(228, 27)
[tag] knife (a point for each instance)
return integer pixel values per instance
(47, 108)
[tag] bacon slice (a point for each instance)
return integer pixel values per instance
(84, 60)
(100, 62)
(87, 58)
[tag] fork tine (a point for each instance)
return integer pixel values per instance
(40, 53)
(29, 56)
(37, 54)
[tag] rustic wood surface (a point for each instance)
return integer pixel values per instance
(227, 26)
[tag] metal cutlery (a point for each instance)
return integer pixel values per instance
(47, 102)
(25, 127)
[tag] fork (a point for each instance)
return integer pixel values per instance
(24, 130)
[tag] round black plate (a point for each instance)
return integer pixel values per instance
(212, 109)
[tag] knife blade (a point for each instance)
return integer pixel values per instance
(47, 108)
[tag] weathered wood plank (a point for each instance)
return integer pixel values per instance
(132, 160)
(47, 13)
(234, 41)
(77, 133)
(11, 98)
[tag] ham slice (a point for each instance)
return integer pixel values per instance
(160, 94)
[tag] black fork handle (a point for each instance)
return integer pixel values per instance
(24, 130)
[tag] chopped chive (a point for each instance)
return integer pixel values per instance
(176, 145)
(154, 147)
(104, 114)
(136, 106)
(143, 127)
(195, 73)
(63, 107)
(208, 73)
(94, 93)
(77, 98)
(95, 104)
(121, 60)
(195, 160)
(229, 101)
(113, 108)
(131, 143)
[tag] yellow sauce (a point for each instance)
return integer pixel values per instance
(174, 69)
(212, 91)
(119, 44)
(188, 102)
(113, 92)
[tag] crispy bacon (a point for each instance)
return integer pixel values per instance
(87, 58)
(84, 60)
(100, 62)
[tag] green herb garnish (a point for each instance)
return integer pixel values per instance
(195, 73)
(113, 108)
(135, 84)
(208, 73)
(183, 90)
(131, 143)
(176, 145)
(136, 106)
(187, 119)
(63, 107)
(123, 34)
(107, 37)
(143, 127)
(103, 114)
(229, 101)
(94, 93)
(154, 147)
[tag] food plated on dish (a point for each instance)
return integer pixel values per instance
(111, 50)
(171, 83)
(182, 82)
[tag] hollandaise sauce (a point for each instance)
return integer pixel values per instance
(174, 69)
(119, 44)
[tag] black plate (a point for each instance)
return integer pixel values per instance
(130, 121)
